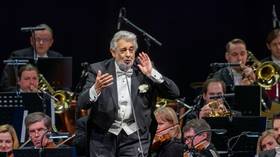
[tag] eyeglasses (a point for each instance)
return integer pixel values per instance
(188, 138)
(39, 131)
(44, 40)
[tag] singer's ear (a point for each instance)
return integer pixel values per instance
(113, 52)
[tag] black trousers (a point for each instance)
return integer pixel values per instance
(123, 145)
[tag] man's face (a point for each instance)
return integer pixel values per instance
(237, 53)
(214, 88)
(36, 132)
(188, 136)
(124, 53)
(28, 81)
(276, 126)
(44, 41)
(274, 47)
(6, 142)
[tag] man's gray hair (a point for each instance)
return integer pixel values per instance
(37, 117)
(125, 35)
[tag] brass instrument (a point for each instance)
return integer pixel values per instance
(217, 110)
(62, 97)
(267, 73)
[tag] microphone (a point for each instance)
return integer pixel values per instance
(57, 135)
(27, 29)
(252, 134)
(120, 18)
(222, 96)
(221, 65)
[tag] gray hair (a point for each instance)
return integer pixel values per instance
(198, 125)
(125, 35)
(37, 117)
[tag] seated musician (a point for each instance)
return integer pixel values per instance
(243, 75)
(28, 78)
(8, 139)
(167, 141)
(267, 144)
(215, 107)
(198, 139)
(38, 124)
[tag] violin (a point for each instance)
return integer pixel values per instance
(50, 144)
(159, 139)
(198, 148)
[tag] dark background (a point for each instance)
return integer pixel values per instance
(193, 33)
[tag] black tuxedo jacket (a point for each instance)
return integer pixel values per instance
(104, 110)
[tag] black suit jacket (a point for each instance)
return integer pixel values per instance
(104, 110)
(29, 53)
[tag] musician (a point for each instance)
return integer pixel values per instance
(114, 89)
(276, 125)
(198, 139)
(243, 75)
(236, 52)
(28, 78)
(267, 141)
(8, 139)
(38, 124)
(273, 43)
(167, 141)
(213, 87)
(42, 41)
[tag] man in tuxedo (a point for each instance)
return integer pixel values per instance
(121, 93)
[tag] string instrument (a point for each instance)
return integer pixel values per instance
(50, 144)
(159, 139)
(197, 148)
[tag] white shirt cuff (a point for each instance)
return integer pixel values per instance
(156, 76)
(92, 94)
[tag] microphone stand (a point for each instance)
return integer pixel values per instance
(229, 147)
(147, 36)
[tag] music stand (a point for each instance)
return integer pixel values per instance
(57, 71)
(248, 100)
(246, 145)
(14, 107)
(46, 152)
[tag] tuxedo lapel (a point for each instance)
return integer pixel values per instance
(134, 86)
(113, 87)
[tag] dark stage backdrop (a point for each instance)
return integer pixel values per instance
(193, 33)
